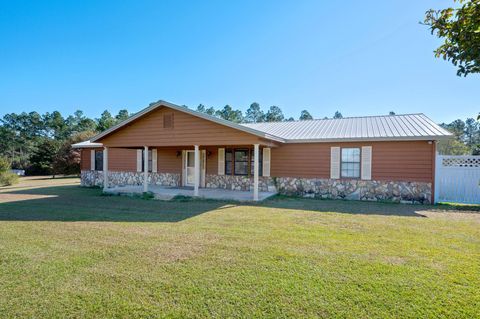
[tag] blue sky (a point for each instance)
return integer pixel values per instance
(359, 57)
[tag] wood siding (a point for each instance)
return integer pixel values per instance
(187, 130)
(391, 161)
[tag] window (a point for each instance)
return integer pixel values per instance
(350, 163)
(149, 160)
(241, 162)
(99, 160)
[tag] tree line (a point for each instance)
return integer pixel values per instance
(41, 143)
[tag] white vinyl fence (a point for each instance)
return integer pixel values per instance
(457, 179)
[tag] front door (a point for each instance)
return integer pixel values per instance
(190, 168)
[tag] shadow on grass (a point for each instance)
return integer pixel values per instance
(75, 203)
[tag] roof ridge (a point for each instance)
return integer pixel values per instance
(331, 119)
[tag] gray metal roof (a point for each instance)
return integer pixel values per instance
(388, 127)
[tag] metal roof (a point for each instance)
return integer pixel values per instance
(388, 127)
(367, 128)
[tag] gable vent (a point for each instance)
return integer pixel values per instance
(168, 120)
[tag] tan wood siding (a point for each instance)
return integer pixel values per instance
(187, 130)
(168, 161)
(122, 160)
(391, 161)
(85, 159)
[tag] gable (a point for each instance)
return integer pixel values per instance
(165, 126)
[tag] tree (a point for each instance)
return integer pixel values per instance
(229, 114)
(201, 108)
(391, 113)
(290, 119)
(42, 157)
(274, 114)
(305, 115)
(471, 132)
(122, 116)
(55, 125)
(79, 123)
(210, 111)
(254, 114)
(452, 147)
(460, 30)
(67, 160)
(338, 115)
(105, 121)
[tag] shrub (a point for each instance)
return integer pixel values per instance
(8, 178)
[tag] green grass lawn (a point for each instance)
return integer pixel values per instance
(69, 252)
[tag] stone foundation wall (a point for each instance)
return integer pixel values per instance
(411, 192)
(239, 183)
(95, 178)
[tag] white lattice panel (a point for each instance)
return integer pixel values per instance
(460, 161)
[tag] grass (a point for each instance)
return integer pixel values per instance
(68, 252)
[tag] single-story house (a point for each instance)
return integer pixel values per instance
(366, 158)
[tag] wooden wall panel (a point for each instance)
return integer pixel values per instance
(122, 160)
(85, 159)
(391, 161)
(187, 130)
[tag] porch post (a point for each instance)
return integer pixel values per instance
(145, 169)
(105, 168)
(197, 171)
(255, 171)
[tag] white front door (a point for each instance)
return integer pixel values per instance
(190, 168)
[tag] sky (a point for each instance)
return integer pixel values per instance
(357, 57)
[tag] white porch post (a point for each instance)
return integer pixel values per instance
(105, 168)
(256, 153)
(145, 169)
(197, 171)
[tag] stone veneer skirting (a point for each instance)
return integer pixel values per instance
(397, 191)
(95, 178)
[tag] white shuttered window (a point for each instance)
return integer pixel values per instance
(221, 161)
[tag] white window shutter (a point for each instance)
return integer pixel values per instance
(221, 161)
(366, 162)
(92, 160)
(335, 162)
(139, 160)
(266, 161)
(154, 160)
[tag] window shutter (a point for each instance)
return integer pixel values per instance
(139, 160)
(221, 161)
(92, 160)
(154, 160)
(335, 162)
(266, 161)
(366, 162)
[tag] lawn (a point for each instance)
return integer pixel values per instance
(69, 252)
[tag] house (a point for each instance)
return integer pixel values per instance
(366, 158)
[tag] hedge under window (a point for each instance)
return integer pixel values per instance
(351, 162)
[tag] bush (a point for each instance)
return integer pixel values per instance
(8, 178)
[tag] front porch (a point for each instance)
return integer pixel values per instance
(169, 192)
